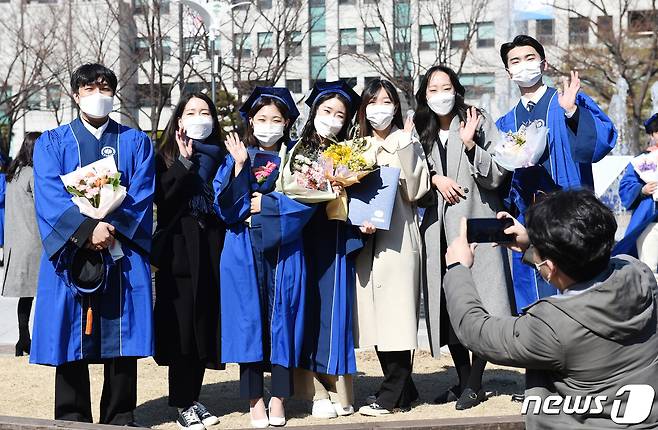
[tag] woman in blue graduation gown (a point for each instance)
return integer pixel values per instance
(190, 236)
(641, 238)
(579, 134)
(262, 263)
(121, 317)
(330, 249)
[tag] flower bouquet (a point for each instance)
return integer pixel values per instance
(303, 177)
(97, 191)
(646, 167)
(264, 170)
(522, 148)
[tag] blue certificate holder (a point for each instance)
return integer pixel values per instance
(373, 198)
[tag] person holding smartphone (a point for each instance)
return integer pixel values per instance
(457, 140)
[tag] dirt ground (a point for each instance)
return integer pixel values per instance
(27, 390)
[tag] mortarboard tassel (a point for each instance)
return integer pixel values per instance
(90, 319)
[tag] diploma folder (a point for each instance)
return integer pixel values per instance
(373, 198)
(260, 158)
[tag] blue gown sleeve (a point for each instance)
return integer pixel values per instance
(282, 219)
(3, 185)
(134, 218)
(596, 134)
(232, 193)
(57, 216)
(630, 188)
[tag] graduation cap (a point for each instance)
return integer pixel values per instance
(83, 270)
(648, 123)
(336, 87)
(279, 93)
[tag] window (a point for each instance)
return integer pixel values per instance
(604, 27)
(144, 99)
(195, 87)
(347, 40)
(402, 39)
(372, 39)
(142, 49)
(477, 84)
(265, 44)
(317, 3)
(458, 35)
(546, 31)
(401, 64)
(578, 30)
(241, 45)
(317, 18)
(294, 44)
(166, 48)
(318, 42)
(486, 35)
(33, 101)
(346, 2)
(53, 97)
(427, 37)
(191, 45)
(264, 4)
(642, 22)
(294, 85)
(402, 13)
(318, 66)
(143, 6)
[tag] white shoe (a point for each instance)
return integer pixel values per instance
(274, 420)
(373, 410)
(343, 411)
(260, 423)
(323, 409)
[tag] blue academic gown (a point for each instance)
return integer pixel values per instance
(262, 271)
(643, 207)
(123, 324)
(330, 250)
(3, 188)
(567, 163)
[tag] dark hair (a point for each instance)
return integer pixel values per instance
(168, 147)
(574, 230)
(249, 138)
(369, 93)
(309, 136)
(90, 73)
(425, 120)
(521, 40)
(24, 156)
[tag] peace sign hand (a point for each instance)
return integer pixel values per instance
(467, 129)
(570, 88)
(184, 146)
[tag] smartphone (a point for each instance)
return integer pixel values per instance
(484, 230)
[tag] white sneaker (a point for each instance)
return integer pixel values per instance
(343, 411)
(259, 423)
(274, 420)
(323, 409)
(373, 410)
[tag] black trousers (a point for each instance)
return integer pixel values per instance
(398, 389)
(251, 380)
(118, 399)
(185, 380)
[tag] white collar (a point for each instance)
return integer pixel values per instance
(536, 96)
(96, 132)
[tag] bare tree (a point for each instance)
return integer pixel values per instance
(625, 45)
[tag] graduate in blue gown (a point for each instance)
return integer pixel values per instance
(3, 187)
(330, 248)
(641, 238)
(262, 266)
(121, 316)
(580, 134)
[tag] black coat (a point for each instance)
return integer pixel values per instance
(187, 300)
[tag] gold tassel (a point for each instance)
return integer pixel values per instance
(90, 319)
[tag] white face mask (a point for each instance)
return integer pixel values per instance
(197, 127)
(96, 105)
(442, 103)
(268, 134)
(327, 125)
(526, 73)
(380, 116)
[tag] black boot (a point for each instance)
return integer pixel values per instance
(24, 341)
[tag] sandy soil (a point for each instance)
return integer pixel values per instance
(27, 390)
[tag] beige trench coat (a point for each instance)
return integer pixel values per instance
(389, 266)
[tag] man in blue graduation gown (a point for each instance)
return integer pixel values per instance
(112, 326)
(580, 134)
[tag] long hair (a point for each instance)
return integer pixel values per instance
(425, 120)
(249, 138)
(309, 136)
(369, 93)
(168, 147)
(24, 156)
